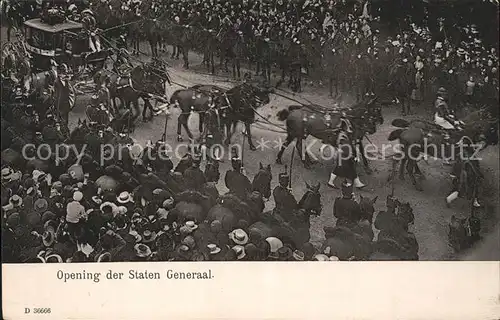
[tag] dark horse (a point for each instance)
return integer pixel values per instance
(232, 47)
(293, 228)
(143, 82)
(419, 137)
(240, 104)
(193, 99)
(325, 124)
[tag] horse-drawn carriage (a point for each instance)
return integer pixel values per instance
(53, 37)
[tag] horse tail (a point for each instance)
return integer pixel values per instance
(396, 134)
(400, 123)
(283, 114)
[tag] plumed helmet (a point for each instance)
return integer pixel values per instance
(94, 100)
(283, 179)
(236, 163)
(347, 188)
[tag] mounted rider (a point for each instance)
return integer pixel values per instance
(97, 112)
(235, 180)
(345, 209)
(194, 178)
(444, 117)
(283, 197)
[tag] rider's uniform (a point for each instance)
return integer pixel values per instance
(441, 112)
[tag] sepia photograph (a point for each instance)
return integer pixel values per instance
(247, 131)
(251, 131)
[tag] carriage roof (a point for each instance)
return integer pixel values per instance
(40, 25)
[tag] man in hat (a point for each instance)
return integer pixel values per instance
(29, 120)
(104, 96)
(283, 197)
(345, 209)
(122, 64)
(194, 178)
(122, 42)
(237, 183)
(160, 159)
(444, 116)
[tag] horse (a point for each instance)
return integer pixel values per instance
(193, 99)
(262, 181)
(419, 136)
(351, 240)
(295, 230)
(98, 114)
(323, 124)
(240, 104)
(143, 81)
(463, 233)
(394, 239)
(232, 47)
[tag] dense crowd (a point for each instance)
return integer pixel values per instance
(342, 40)
(123, 216)
(54, 212)
(349, 42)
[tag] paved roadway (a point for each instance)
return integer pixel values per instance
(431, 214)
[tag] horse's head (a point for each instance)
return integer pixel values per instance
(369, 116)
(262, 181)
(262, 95)
(367, 207)
(311, 200)
(405, 212)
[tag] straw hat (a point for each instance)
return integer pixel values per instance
(7, 174)
(191, 225)
(16, 201)
(148, 236)
(240, 251)
(321, 257)
(274, 244)
(124, 198)
(54, 258)
(49, 237)
(298, 255)
(136, 235)
(214, 249)
(142, 250)
(239, 236)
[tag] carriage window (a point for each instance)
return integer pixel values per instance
(38, 39)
